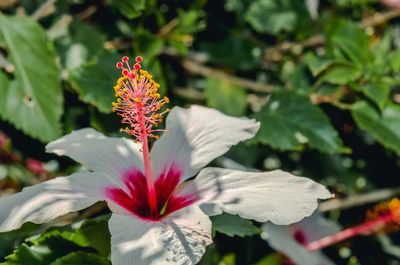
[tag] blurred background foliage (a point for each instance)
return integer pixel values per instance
(321, 76)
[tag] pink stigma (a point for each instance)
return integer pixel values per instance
(138, 101)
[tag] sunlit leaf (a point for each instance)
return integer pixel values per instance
(95, 81)
(94, 233)
(31, 98)
(225, 96)
(45, 250)
(289, 120)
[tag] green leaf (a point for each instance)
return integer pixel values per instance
(377, 92)
(43, 251)
(82, 42)
(247, 55)
(349, 38)
(148, 45)
(226, 97)
(341, 73)
(271, 259)
(384, 127)
(94, 233)
(95, 81)
(32, 100)
(335, 71)
(301, 80)
(382, 48)
(211, 257)
(289, 120)
(233, 225)
(273, 16)
(130, 8)
(353, 49)
(190, 22)
(394, 58)
(80, 257)
(229, 259)
(318, 65)
(8, 240)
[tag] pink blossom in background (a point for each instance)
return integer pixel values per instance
(35, 166)
(392, 3)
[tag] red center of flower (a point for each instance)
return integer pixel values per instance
(136, 198)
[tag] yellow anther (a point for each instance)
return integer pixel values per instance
(168, 110)
(394, 207)
(137, 99)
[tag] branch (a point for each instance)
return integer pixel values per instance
(358, 200)
(189, 94)
(379, 18)
(7, 3)
(65, 20)
(197, 68)
(44, 10)
(274, 53)
(164, 31)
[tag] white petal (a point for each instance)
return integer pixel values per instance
(45, 201)
(314, 227)
(180, 239)
(317, 226)
(275, 196)
(98, 152)
(195, 137)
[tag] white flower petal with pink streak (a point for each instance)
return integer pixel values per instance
(43, 202)
(289, 239)
(98, 152)
(195, 137)
(181, 238)
(275, 196)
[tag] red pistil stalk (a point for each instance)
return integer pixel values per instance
(137, 104)
(386, 214)
(151, 191)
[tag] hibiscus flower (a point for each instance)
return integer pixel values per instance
(159, 213)
(292, 239)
